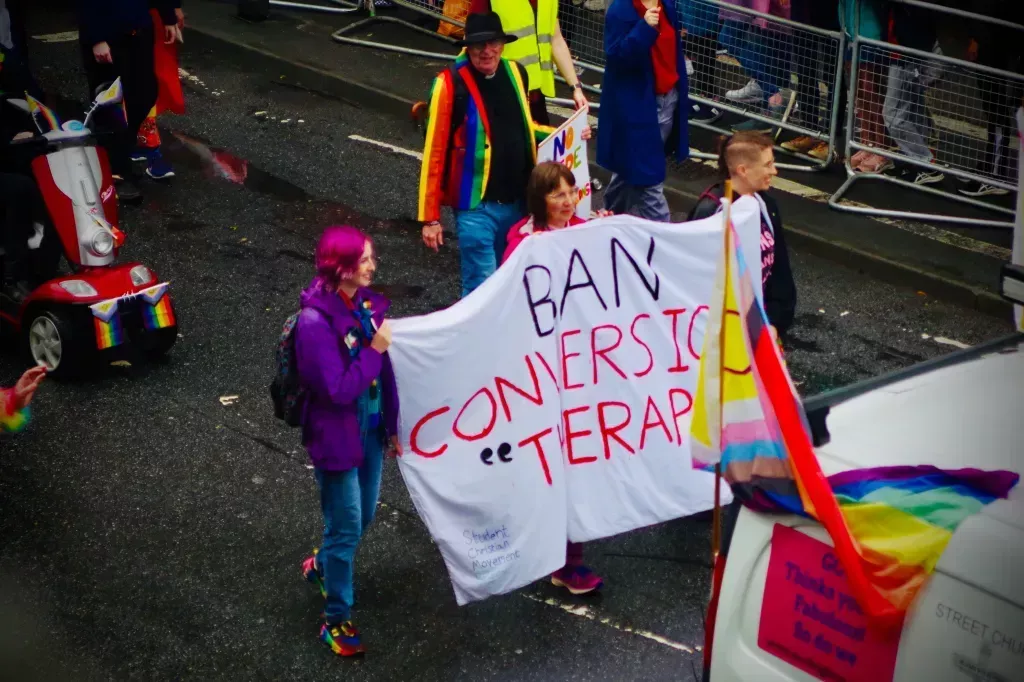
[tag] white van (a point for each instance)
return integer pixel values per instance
(782, 612)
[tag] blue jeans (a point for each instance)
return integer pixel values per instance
(348, 500)
(764, 54)
(482, 232)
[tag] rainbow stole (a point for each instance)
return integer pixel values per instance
(107, 324)
(157, 313)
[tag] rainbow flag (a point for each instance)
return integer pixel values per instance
(889, 525)
(38, 110)
(11, 420)
(158, 313)
(107, 324)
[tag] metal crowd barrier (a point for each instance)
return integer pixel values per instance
(763, 58)
(933, 115)
(801, 61)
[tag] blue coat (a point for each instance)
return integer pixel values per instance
(629, 139)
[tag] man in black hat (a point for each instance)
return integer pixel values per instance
(481, 147)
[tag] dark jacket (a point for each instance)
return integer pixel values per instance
(629, 142)
(105, 20)
(334, 380)
(780, 289)
(913, 27)
(15, 81)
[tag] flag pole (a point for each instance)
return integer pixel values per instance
(716, 519)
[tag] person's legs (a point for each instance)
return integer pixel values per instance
(138, 76)
(574, 576)
(340, 502)
(19, 202)
(504, 216)
(615, 195)
(477, 230)
(370, 472)
(902, 112)
(119, 143)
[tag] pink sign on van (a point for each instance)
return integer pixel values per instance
(810, 619)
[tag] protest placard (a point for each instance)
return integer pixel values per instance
(567, 146)
(553, 403)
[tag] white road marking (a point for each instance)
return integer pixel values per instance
(951, 342)
(584, 611)
(63, 37)
(389, 147)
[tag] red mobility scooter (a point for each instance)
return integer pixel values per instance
(71, 321)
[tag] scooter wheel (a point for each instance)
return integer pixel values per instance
(50, 341)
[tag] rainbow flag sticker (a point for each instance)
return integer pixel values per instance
(107, 324)
(158, 313)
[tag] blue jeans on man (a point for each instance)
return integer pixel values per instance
(482, 233)
(348, 500)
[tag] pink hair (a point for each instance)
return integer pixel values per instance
(338, 254)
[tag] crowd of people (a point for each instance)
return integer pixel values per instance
(891, 109)
(480, 160)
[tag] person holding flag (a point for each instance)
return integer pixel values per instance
(169, 94)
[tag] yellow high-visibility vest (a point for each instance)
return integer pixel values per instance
(533, 48)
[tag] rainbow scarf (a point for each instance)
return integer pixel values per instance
(460, 179)
(157, 313)
(11, 420)
(889, 525)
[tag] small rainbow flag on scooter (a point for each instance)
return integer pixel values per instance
(107, 324)
(41, 112)
(159, 313)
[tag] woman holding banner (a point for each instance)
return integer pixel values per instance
(350, 411)
(551, 198)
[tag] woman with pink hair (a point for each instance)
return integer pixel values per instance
(350, 413)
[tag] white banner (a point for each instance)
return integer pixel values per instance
(566, 145)
(553, 403)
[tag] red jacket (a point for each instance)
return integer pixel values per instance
(524, 228)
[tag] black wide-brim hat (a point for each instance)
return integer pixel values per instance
(484, 27)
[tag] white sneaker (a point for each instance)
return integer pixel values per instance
(751, 92)
(689, 68)
(594, 5)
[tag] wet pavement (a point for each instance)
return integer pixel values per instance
(149, 531)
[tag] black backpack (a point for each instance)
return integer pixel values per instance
(288, 396)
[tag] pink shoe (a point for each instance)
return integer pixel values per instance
(857, 158)
(576, 579)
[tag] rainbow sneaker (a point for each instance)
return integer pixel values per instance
(343, 639)
(311, 572)
(577, 579)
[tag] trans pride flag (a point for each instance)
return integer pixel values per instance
(889, 525)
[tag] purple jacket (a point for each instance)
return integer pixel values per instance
(334, 380)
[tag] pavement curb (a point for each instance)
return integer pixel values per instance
(363, 95)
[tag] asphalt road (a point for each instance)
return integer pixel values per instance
(148, 531)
